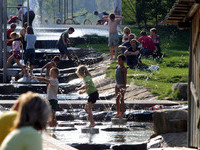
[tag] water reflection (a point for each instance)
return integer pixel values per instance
(119, 138)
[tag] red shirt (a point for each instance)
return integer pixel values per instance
(147, 42)
(8, 37)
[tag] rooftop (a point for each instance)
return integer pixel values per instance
(181, 12)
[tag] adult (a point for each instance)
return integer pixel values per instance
(7, 121)
(148, 46)
(24, 12)
(32, 117)
(118, 7)
(132, 54)
(127, 44)
(101, 20)
(63, 43)
(156, 40)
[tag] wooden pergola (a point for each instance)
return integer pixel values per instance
(186, 15)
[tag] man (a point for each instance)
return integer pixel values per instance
(25, 15)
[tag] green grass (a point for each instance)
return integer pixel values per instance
(173, 67)
(103, 48)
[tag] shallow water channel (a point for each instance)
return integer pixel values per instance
(138, 132)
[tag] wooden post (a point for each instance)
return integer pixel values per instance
(4, 41)
(189, 97)
(1, 40)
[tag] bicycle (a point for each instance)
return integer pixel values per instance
(77, 19)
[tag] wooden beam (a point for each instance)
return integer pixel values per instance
(181, 8)
(176, 18)
(194, 93)
(193, 10)
(189, 1)
(196, 37)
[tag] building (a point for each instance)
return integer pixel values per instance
(186, 14)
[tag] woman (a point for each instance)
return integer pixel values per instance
(32, 117)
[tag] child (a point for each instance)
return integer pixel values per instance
(9, 43)
(15, 51)
(52, 91)
(90, 89)
(120, 88)
(30, 38)
(125, 37)
(54, 62)
(63, 43)
(113, 34)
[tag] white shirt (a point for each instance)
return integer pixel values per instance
(24, 10)
(52, 89)
(118, 5)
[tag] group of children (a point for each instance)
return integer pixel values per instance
(28, 38)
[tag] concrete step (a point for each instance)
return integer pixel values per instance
(50, 143)
(103, 104)
(9, 89)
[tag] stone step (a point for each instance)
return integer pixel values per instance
(103, 104)
(9, 89)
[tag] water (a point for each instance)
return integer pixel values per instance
(135, 135)
(79, 32)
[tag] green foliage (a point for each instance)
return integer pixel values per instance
(145, 12)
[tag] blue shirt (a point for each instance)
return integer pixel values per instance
(30, 39)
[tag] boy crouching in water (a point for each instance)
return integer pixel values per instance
(53, 63)
(120, 88)
(90, 89)
(52, 91)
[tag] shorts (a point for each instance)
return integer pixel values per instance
(29, 55)
(63, 49)
(17, 55)
(93, 97)
(54, 104)
(113, 39)
(9, 48)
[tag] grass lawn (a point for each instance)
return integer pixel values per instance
(173, 66)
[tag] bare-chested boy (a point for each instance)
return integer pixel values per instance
(113, 34)
(54, 62)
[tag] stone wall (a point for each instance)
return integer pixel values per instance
(169, 121)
